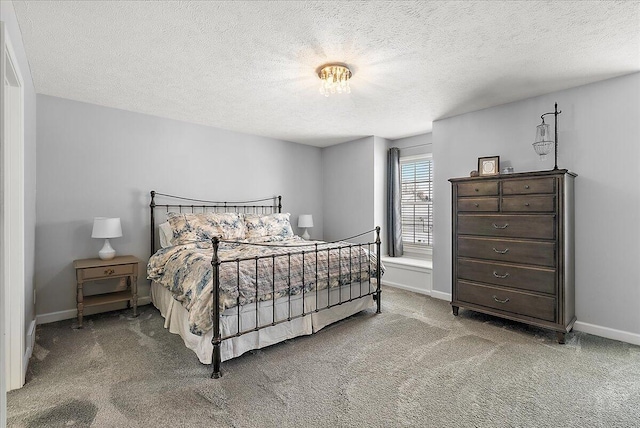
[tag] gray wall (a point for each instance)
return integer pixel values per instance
(599, 135)
(355, 185)
(412, 146)
(99, 161)
(348, 189)
(380, 148)
(7, 15)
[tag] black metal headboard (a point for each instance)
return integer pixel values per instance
(181, 204)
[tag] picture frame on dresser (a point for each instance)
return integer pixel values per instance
(488, 166)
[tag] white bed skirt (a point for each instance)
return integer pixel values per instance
(176, 319)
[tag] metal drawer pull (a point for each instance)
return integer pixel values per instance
(526, 186)
(527, 204)
(477, 190)
(505, 251)
(495, 226)
(109, 271)
(477, 205)
(500, 276)
(500, 301)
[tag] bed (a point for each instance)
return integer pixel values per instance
(239, 263)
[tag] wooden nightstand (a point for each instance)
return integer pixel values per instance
(97, 269)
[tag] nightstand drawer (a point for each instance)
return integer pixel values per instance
(479, 188)
(528, 185)
(530, 305)
(107, 272)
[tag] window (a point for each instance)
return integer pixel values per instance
(416, 206)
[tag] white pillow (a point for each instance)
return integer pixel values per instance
(166, 235)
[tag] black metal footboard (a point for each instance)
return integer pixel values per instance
(311, 253)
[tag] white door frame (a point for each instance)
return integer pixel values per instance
(3, 383)
(12, 215)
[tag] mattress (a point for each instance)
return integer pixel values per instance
(177, 318)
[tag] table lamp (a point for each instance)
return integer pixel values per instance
(105, 227)
(305, 221)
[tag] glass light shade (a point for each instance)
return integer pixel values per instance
(543, 143)
(335, 78)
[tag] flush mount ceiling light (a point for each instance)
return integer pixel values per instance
(335, 78)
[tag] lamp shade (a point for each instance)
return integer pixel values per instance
(105, 227)
(543, 142)
(305, 220)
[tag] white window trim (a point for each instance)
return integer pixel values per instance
(413, 158)
(413, 250)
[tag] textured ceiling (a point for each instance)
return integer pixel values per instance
(250, 66)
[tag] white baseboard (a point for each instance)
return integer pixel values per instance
(406, 287)
(433, 293)
(609, 333)
(56, 316)
(596, 330)
(73, 313)
(440, 295)
(30, 342)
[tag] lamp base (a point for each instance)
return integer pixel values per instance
(306, 235)
(107, 252)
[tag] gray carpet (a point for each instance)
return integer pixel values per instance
(413, 365)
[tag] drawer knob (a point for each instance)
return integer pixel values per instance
(500, 301)
(526, 204)
(476, 205)
(109, 271)
(505, 251)
(497, 275)
(495, 226)
(526, 186)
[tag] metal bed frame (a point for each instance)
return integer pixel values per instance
(256, 207)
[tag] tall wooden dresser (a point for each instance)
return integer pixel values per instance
(513, 245)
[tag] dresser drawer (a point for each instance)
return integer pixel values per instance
(479, 188)
(526, 203)
(515, 302)
(107, 271)
(521, 226)
(524, 186)
(526, 278)
(508, 250)
(478, 204)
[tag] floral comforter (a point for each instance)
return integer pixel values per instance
(187, 272)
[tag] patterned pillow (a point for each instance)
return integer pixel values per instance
(258, 226)
(188, 227)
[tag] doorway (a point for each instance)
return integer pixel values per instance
(12, 277)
